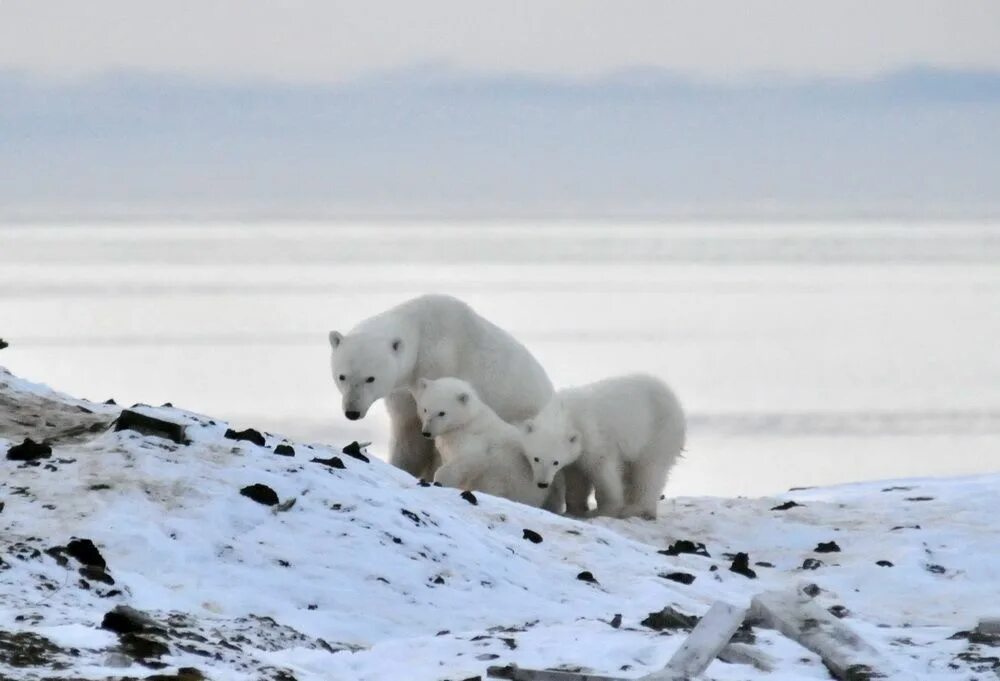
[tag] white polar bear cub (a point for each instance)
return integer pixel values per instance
(479, 450)
(622, 434)
(430, 337)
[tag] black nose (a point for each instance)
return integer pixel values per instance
(426, 434)
(543, 485)
(352, 415)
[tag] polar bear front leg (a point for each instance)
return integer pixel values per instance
(408, 448)
(578, 489)
(609, 488)
(557, 494)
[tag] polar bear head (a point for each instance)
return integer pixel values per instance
(550, 442)
(445, 405)
(366, 368)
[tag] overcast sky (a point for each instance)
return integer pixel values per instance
(330, 41)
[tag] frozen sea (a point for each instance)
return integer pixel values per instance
(805, 353)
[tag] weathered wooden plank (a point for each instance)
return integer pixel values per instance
(846, 655)
(712, 633)
(515, 673)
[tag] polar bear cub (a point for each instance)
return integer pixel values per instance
(479, 450)
(622, 434)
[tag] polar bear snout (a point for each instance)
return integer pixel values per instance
(427, 434)
(352, 415)
(543, 485)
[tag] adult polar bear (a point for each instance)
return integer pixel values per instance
(432, 336)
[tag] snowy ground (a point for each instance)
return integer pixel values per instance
(371, 576)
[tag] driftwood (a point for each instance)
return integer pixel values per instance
(709, 636)
(845, 654)
(151, 425)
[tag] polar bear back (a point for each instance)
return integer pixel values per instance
(453, 340)
(624, 415)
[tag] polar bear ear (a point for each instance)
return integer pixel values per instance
(463, 398)
(422, 385)
(529, 427)
(397, 345)
(573, 437)
(335, 338)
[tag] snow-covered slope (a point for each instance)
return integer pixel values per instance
(360, 572)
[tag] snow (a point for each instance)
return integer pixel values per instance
(346, 585)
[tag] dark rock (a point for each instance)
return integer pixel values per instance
(110, 401)
(812, 564)
(839, 611)
(262, 494)
(470, 497)
(86, 552)
(150, 425)
(332, 462)
(883, 563)
(284, 450)
(741, 566)
(681, 577)
(439, 580)
(142, 647)
(438, 484)
(354, 450)
(935, 569)
(312, 606)
(920, 498)
(4, 344)
(125, 620)
(423, 483)
(764, 563)
(785, 506)
(532, 536)
(669, 618)
(587, 576)
(29, 450)
(827, 547)
(248, 435)
(183, 674)
(811, 590)
(616, 621)
(26, 650)
(168, 405)
(896, 488)
(412, 516)
(713, 568)
(97, 574)
(686, 546)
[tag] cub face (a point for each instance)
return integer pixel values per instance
(365, 369)
(444, 405)
(550, 444)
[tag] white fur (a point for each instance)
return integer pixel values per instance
(433, 336)
(479, 450)
(621, 434)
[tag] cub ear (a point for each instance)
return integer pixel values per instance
(573, 438)
(463, 398)
(529, 427)
(397, 345)
(422, 384)
(335, 338)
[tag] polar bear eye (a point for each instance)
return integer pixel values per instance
(440, 413)
(536, 459)
(342, 377)
(370, 379)
(555, 463)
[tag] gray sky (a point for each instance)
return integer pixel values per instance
(329, 41)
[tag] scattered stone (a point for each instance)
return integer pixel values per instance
(150, 425)
(86, 552)
(920, 498)
(681, 577)
(669, 618)
(811, 590)
(354, 450)
(686, 546)
(470, 497)
(183, 674)
(4, 344)
(839, 611)
(284, 450)
(25, 650)
(904, 527)
(412, 516)
(332, 462)
(741, 566)
(812, 564)
(883, 563)
(97, 574)
(312, 606)
(587, 576)
(827, 547)
(785, 506)
(439, 580)
(123, 619)
(29, 450)
(262, 494)
(532, 536)
(896, 488)
(616, 621)
(713, 568)
(249, 435)
(764, 563)
(110, 401)
(935, 569)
